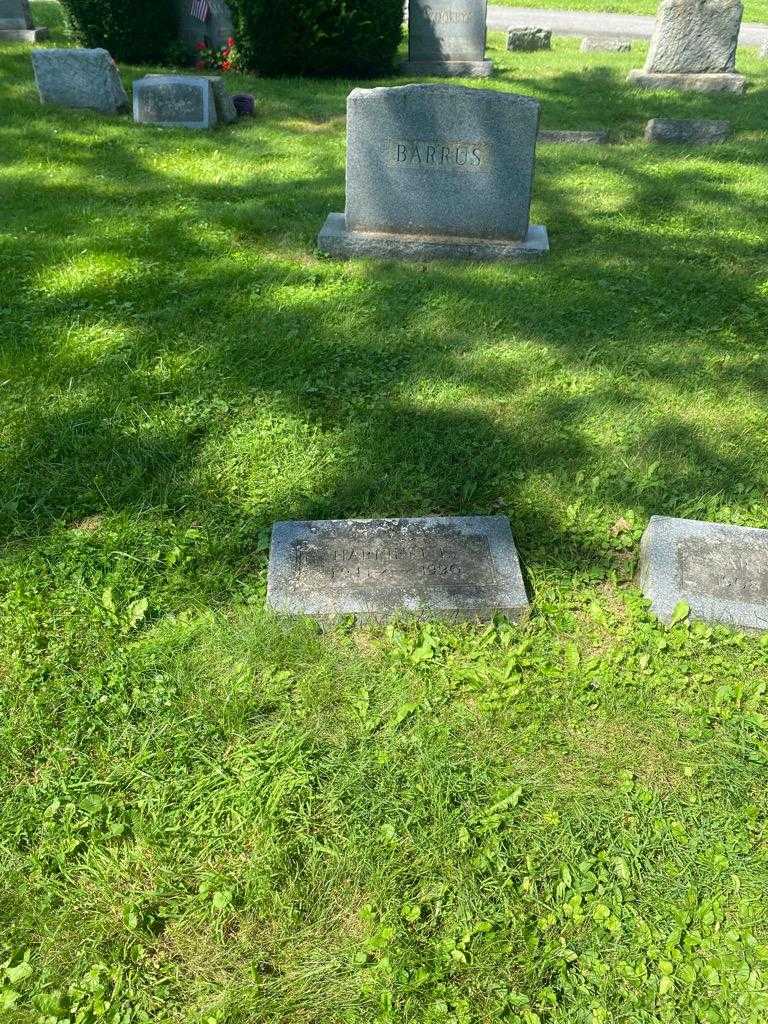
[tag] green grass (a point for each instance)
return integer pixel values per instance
(211, 817)
(754, 10)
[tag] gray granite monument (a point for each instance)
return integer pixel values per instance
(694, 47)
(79, 78)
(450, 568)
(529, 39)
(223, 99)
(447, 37)
(215, 30)
(692, 133)
(605, 44)
(16, 24)
(438, 172)
(720, 572)
(175, 101)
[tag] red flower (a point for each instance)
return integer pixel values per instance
(199, 46)
(226, 66)
(230, 41)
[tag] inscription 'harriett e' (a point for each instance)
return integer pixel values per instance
(470, 156)
(449, 17)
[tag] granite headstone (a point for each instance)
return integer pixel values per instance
(438, 172)
(79, 78)
(455, 568)
(226, 112)
(694, 133)
(16, 24)
(720, 572)
(175, 101)
(528, 39)
(694, 47)
(447, 37)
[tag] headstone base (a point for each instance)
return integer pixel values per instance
(725, 82)
(336, 240)
(23, 35)
(447, 68)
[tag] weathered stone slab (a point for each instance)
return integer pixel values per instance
(694, 47)
(455, 568)
(431, 166)
(175, 101)
(599, 137)
(605, 44)
(528, 39)
(688, 83)
(695, 133)
(224, 101)
(695, 36)
(79, 78)
(720, 571)
(447, 37)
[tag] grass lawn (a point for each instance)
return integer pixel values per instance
(754, 10)
(209, 817)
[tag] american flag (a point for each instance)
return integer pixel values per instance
(200, 9)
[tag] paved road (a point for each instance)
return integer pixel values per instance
(580, 23)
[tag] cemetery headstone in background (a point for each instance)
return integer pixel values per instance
(605, 44)
(175, 101)
(694, 133)
(719, 572)
(529, 39)
(694, 47)
(215, 30)
(447, 37)
(438, 172)
(455, 568)
(16, 23)
(223, 100)
(79, 78)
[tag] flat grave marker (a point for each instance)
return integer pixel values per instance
(529, 39)
(434, 567)
(694, 132)
(175, 101)
(447, 37)
(720, 571)
(438, 172)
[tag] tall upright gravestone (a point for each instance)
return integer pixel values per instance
(447, 38)
(694, 47)
(438, 172)
(16, 23)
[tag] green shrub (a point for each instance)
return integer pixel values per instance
(357, 38)
(133, 30)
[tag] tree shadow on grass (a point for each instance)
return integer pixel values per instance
(220, 370)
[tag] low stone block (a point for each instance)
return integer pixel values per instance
(447, 68)
(763, 51)
(605, 44)
(720, 572)
(688, 83)
(599, 138)
(175, 101)
(435, 567)
(79, 78)
(225, 105)
(529, 39)
(694, 133)
(23, 35)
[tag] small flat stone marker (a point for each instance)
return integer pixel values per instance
(80, 79)
(605, 44)
(529, 39)
(693, 133)
(449, 568)
(447, 37)
(694, 47)
(175, 101)
(16, 25)
(438, 172)
(720, 572)
(595, 138)
(763, 51)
